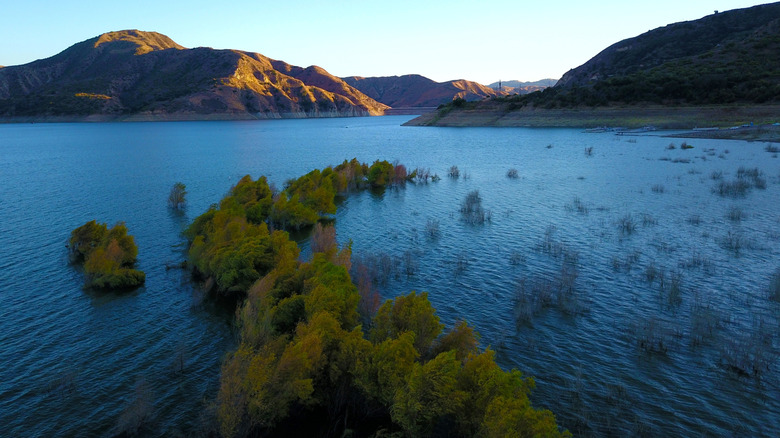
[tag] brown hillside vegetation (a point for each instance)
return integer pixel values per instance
(147, 75)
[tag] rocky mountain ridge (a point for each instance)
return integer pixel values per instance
(134, 74)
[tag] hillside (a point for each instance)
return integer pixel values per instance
(522, 87)
(729, 58)
(136, 75)
(418, 91)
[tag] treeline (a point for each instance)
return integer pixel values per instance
(684, 86)
(314, 359)
(306, 367)
(108, 256)
(241, 239)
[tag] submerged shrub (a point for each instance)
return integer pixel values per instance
(108, 256)
(578, 206)
(432, 228)
(774, 286)
(746, 180)
(471, 209)
(734, 189)
(626, 225)
(177, 196)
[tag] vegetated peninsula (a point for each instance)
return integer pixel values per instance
(415, 91)
(720, 70)
(135, 75)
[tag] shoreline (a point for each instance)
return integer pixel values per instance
(660, 117)
(767, 133)
(178, 117)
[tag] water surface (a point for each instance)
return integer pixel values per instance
(80, 363)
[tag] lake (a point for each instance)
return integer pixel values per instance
(632, 281)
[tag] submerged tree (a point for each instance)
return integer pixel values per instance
(108, 255)
(176, 199)
(471, 209)
(305, 366)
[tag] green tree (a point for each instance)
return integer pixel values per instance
(108, 255)
(410, 313)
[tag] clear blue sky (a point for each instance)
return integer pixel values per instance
(482, 41)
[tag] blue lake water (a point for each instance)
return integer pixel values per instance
(622, 354)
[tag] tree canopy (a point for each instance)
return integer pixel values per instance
(306, 366)
(108, 255)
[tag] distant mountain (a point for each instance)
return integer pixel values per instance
(134, 74)
(418, 91)
(728, 58)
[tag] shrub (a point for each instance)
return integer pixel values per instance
(471, 209)
(432, 228)
(176, 198)
(626, 225)
(108, 256)
(774, 286)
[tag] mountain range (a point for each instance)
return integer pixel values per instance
(136, 75)
(146, 74)
(419, 91)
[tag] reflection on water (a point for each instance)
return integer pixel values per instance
(621, 279)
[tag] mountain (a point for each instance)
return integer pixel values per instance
(132, 74)
(722, 58)
(725, 59)
(520, 87)
(418, 91)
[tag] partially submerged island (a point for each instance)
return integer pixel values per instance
(317, 354)
(108, 256)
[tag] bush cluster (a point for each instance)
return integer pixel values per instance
(235, 244)
(108, 256)
(305, 366)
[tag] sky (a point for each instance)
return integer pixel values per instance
(483, 41)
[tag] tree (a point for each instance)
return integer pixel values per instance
(108, 255)
(412, 313)
(176, 199)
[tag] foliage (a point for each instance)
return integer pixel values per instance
(177, 196)
(233, 242)
(304, 365)
(108, 255)
(303, 356)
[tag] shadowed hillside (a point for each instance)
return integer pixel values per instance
(724, 59)
(135, 75)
